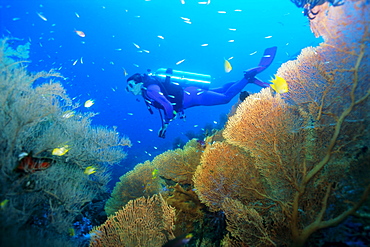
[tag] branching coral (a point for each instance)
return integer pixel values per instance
(142, 222)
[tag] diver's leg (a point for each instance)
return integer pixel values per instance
(197, 97)
(222, 89)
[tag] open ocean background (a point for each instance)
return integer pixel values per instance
(241, 29)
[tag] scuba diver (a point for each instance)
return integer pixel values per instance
(164, 91)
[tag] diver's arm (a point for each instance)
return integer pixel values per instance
(154, 92)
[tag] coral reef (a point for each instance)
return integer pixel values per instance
(189, 209)
(218, 178)
(44, 203)
(287, 166)
(307, 142)
(134, 184)
(179, 165)
(142, 222)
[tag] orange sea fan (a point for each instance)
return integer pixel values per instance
(226, 171)
(179, 165)
(134, 184)
(142, 222)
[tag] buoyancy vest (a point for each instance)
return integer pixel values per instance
(174, 93)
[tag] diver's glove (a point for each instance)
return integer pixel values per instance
(162, 131)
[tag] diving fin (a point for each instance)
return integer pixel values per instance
(266, 60)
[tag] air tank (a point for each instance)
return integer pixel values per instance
(183, 78)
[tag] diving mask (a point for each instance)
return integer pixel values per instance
(134, 87)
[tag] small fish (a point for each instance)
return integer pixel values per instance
(221, 12)
(124, 72)
(204, 45)
(279, 84)
(42, 17)
(179, 241)
(253, 53)
(227, 66)
(136, 45)
(77, 15)
(185, 19)
(231, 41)
(146, 51)
(154, 173)
(161, 37)
(68, 114)
(71, 232)
(80, 33)
(90, 170)
(130, 114)
(3, 203)
(75, 62)
(232, 29)
(89, 103)
(181, 61)
(60, 151)
(268, 37)
(81, 61)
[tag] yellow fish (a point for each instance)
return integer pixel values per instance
(90, 170)
(68, 114)
(60, 151)
(227, 66)
(3, 203)
(89, 103)
(279, 84)
(71, 232)
(154, 173)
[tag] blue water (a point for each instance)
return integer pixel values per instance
(112, 28)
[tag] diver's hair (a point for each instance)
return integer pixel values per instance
(136, 77)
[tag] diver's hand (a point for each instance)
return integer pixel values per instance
(162, 131)
(182, 116)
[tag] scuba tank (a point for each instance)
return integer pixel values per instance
(184, 79)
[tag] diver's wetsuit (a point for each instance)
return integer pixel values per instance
(195, 96)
